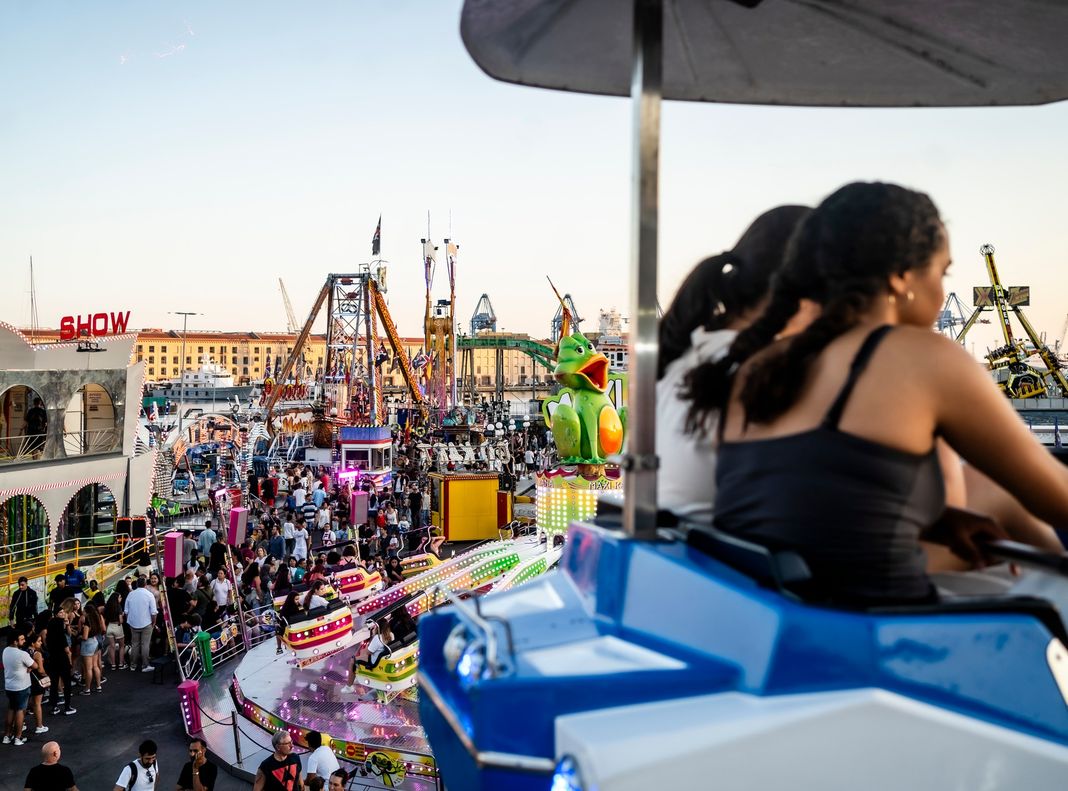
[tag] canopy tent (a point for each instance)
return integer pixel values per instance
(841, 53)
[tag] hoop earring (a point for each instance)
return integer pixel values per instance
(910, 296)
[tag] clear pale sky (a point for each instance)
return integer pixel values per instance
(185, 156)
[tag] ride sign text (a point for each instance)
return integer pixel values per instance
(71, 327)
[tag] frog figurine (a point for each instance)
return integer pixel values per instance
(586, 426)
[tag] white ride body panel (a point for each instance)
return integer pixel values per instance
(866, 739)
(598, 656)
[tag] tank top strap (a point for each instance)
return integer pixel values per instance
(856, 368)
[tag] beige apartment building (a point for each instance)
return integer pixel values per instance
(245, 355)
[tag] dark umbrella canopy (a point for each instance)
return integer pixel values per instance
(867, 53)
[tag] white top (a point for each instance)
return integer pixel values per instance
(300, 548)
(322, 762)
(143, 773)
(528, 457)
(287, 529)
(140, 608)
(299, 495)
(376, 647)
(17, 664)
(324, 518)
(220, 591)
(317, 601)
(686, 480)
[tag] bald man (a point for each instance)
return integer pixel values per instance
(50, 774)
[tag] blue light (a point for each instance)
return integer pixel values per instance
(567, 777)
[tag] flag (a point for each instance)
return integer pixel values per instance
(451, 251)
(428, 262)
(267, 370)
(376, 240)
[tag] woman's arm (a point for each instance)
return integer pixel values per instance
(979, 423)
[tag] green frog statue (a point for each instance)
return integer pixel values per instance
(583, 416)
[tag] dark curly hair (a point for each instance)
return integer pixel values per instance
(721, 288)
(841, 257)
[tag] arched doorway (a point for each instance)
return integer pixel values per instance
(23, 424)
(89, 422)
(23, 527)
(89, 516)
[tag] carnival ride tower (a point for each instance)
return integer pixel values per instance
(351, 374)
(439, 329)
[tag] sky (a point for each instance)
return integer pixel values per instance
(185, 156)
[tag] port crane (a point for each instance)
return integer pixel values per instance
(291, 319)
(1018, 379)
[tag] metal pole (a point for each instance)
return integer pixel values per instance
(370, 344)
(237, 738)
(185, 314)
(640, 462)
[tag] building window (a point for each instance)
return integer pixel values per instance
(233, 360)
(211, 350)
(139, 357)
(163, 348)
(233, 350)
(175, 371)
(152, 348)
(188, 360)
(245, 369)
(152, 371)
(246, 363)
(140, 348)
(200, 350)
(152, 357)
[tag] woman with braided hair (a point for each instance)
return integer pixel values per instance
(828, 437)
(722, 295)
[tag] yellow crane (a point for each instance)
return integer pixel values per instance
(1022, 380)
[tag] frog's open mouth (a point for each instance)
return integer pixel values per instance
(596, 371)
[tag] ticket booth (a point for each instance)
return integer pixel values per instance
(366, 456)
(464, 505)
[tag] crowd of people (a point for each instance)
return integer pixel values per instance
(141, 774)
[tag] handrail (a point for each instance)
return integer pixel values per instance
(82, 443)
(22, 447)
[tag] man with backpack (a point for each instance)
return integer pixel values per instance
(142, 774)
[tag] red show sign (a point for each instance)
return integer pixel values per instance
(71, 327)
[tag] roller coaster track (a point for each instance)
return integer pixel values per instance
(539, 352)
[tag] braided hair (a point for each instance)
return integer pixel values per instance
(722, 288)
(841, 257)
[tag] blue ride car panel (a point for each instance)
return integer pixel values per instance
(728, 634)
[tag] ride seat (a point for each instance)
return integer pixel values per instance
(787, 573)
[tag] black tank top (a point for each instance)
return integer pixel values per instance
(852, 508)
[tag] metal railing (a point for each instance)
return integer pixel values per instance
(22, 447)
(42, 557)
(86, 443)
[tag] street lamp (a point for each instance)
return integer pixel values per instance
(185, 314)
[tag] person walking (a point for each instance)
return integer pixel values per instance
(142, 774)
(50, 774)
(17, 665)
(198, 773)
(280, 771)
(140, 610)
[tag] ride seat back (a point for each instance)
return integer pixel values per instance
(775, 569)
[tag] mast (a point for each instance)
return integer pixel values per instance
(451, 251)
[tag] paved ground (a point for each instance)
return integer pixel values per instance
(103, 736)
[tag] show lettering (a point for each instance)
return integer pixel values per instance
(95, 324)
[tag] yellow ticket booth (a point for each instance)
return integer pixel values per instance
(464, 505)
